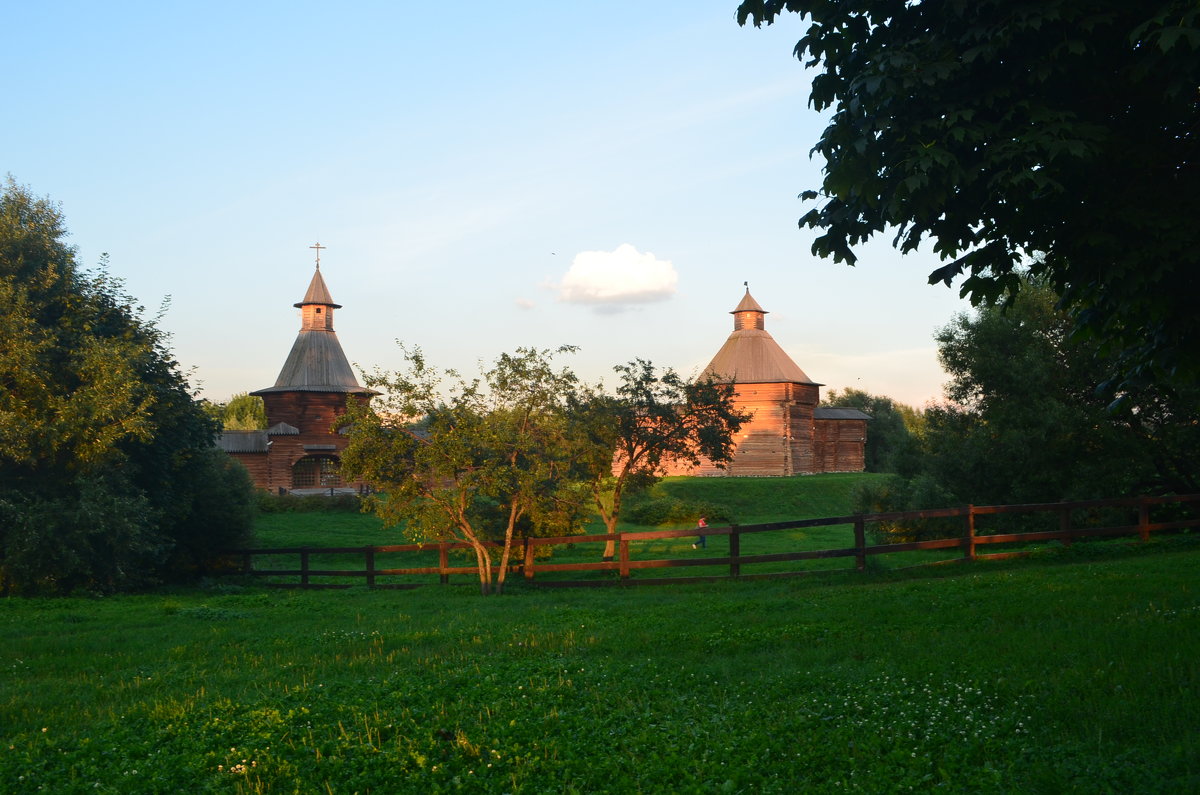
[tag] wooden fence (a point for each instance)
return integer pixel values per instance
(734, 563)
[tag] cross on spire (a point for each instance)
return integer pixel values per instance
(318, 247)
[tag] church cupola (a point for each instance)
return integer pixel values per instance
(748, 313)
(751, 355)
(316, 362)
(316, 308)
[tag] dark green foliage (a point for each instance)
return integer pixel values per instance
(108, 476)
(266, 502)
(214, 511)
(896, 494)
(892, 434)
(654, 509)
(1025, 423)
(1061, 133)
(96, 534)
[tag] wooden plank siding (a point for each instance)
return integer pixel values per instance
(314, 414)
(839, 445)
(783, 438)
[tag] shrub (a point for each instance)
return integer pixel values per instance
(897, 494)
(92, 537)
(268, 502)
(215, 513)
(654, 510)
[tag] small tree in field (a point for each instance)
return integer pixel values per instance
(441, 451)
(623, 440)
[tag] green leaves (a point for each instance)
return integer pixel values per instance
(476, 460)
(993, 129)
(103, 451)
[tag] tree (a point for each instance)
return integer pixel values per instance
(103, 448)
(245, 412)
(892, 438)
(622, 441)
(451, 459)
(1054, 135)
(1024, 422)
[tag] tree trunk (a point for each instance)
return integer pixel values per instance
(513, 514)
(610, 546)
(484, 562)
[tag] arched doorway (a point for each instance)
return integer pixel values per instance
(316, 471)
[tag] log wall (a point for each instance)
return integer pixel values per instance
(839, 445)
(314, 414)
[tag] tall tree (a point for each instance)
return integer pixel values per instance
(104, 452)
(623, 440)
(1024, 422)
(1058, 135)
(440, 451)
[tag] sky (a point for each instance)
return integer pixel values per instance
(483, 176)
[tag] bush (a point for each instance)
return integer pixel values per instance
(94, 537)
(269, 502)
(215, 513)
(654, 510)
(897, 494)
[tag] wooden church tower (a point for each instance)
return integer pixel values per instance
(300, 450)
(788, 433)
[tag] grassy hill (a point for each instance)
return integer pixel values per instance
(748, 500)
(1071, 672)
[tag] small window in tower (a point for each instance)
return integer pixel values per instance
(318, 310)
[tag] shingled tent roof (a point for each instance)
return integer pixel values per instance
(751, 355)
(839, 413)
(317, 293)
(316, 362)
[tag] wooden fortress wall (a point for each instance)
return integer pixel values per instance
(783, 438)
(313, 413)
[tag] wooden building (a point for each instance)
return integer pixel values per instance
(300, 450)
(788, 433)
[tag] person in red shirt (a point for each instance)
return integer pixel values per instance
(701, 541)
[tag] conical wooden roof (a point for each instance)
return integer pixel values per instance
(318, 293)
(316, 362)
(751, 355)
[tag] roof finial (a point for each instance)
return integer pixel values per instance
(746, 285)
(318, 247)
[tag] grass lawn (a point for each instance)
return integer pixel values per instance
(1071, 672)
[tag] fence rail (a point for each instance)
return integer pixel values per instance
(303, 573)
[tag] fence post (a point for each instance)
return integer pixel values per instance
(443, 564)
(623, 555)
(860, 543)
(1143, 519)
(527, 568)
(1064, 526)
(370, 554)
(969, 554)
(735, 551)
(304, 568)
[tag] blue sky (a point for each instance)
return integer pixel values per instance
(483, 175)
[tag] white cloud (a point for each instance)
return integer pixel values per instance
(524, 303)
(611, 279)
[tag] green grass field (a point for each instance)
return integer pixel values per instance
(1067, 674)
(1072, 671)
(747, 500)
